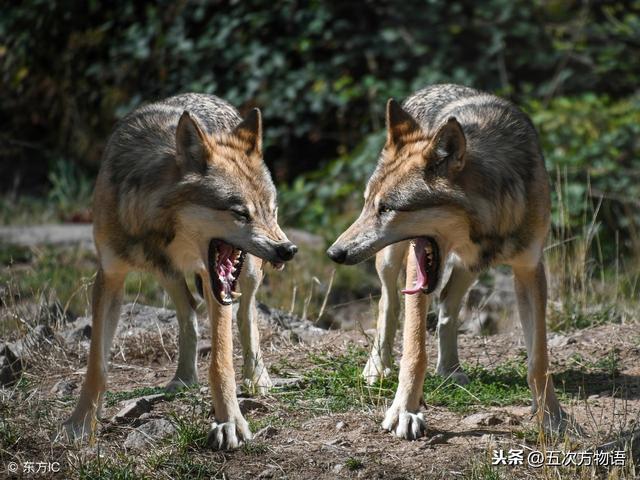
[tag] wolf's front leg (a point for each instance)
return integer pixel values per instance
(388, 265)
(255, 377)
(106, 303)
(531, 292)
(403, 417)
(230, 429)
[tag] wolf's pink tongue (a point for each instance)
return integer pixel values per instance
(422, 278)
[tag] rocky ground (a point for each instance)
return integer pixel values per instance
(320, 420)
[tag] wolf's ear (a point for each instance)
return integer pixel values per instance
(400, 124)
(451, 144)
(250, 132)
(190, 145)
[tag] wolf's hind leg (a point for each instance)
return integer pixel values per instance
(187, 371)
(106, 303)
(403, 417)
(255, 376)
(531, 292)
(450, 301)
(389, 262)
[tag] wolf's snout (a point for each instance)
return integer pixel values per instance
(337, 254)
(286, 251)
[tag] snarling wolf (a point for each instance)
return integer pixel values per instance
(183, 188)
(461, 177)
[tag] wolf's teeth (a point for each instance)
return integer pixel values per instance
(236, 295)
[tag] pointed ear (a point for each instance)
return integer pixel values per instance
(451, 144)
(190, 145)
(400, 124)
(250, 132)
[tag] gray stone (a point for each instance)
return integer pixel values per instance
(132, 410)
(63, 388)
(149, 433)
(78, 331)
(483, 420)
(204, 347)
(266, 432)
(340, 425)
(249, 405)
(10, 365)
(154, 398)
(437, 439)
(280, 382)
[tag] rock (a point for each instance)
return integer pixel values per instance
(132, 410)
(149, 433)
(266, 432)
(292, 382)
(300, 330)
(437, 439)
(558, 341)
(249, 405)
(63, 388)
(269, 472)
(53, 313)
(486, 439)
(154, 398)
(10, 365)
(486, 419)
(204, 347)
(80, 330)
(54, 234)
(37, 338)
(340, 425)
(337, 468)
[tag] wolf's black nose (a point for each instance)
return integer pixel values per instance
(286, 251)
(338, 255)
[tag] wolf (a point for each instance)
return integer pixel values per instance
(183, 188)
(461, 178)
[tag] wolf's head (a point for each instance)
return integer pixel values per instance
(415, 194)
(228, 200)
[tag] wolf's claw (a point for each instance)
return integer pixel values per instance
(404, 424)
(228, 435)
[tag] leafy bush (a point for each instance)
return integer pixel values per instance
(320, 72)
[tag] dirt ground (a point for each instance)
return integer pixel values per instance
(304, 438)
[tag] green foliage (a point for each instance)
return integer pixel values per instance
(113, 398)
(118, 468)
(592, 151)
(335, 384)
(320, 71)
(70, 188)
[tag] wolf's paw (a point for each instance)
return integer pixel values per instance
(180, 382)
(404, 424)
(256, 381)
(455, 374)
(228, 435)
(75, 429)
(376, 369)
(562, 424)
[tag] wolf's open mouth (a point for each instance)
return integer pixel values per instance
(224, 265)
(427, 258)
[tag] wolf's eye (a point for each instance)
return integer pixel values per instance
(241, 214)
(384, 208)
